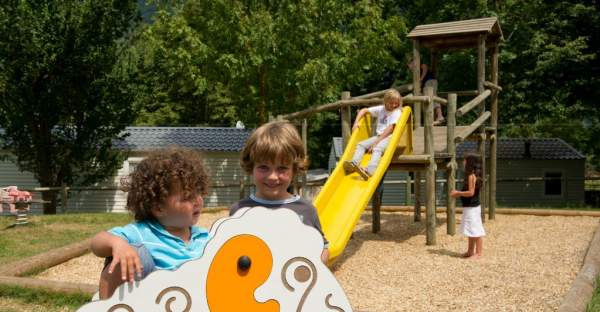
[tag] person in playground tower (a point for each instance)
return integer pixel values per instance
(428, 80)
(165, 195)
(471, 224)
(273, 155)
(387, 116)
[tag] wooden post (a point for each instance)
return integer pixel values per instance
(482, 137)
(451, 170)
(64, 196)
(493, 139)
(417, 68)
(416, 83)
(482, 190)
(480, 63)
(416, 75)
(430, 178)
(346, 116)
(407, 200)
(417, 184)
(377, 208)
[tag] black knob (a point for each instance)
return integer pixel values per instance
(244, 263)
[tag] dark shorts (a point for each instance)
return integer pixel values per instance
(145, 259)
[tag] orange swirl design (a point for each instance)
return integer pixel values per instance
(231, 289)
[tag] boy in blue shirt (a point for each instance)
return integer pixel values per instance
(165, 196)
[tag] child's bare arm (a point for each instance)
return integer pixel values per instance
(102, 244)
(105, 245)
(469, 192)
(361, 114)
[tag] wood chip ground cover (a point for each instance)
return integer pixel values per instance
(528, 265)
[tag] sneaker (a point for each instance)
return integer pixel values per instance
(363, 173)
(350, 167)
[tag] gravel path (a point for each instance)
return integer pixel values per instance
(528, 265)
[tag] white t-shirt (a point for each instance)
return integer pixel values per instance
(384, 118)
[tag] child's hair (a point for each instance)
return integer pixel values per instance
(276, 142)
(390, 95)
(472, 166)
(159, 174)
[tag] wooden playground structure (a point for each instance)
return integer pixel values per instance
(434, 148)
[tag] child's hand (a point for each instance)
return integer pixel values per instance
(128, 258)
(454, 194)
(355, 127)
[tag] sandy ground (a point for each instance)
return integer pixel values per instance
(528, 265)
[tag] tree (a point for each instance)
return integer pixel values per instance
(252, 59)
(62, 102)
(549, 64)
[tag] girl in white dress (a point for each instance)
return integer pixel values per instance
(471, 225)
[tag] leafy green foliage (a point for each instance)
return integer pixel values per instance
(551, 67)
(253, 59)
(549, 64)
(61, 103)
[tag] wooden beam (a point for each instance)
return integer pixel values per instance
(459, 93)
(492, 85)
(440, 100)
(46, 260)
(53, 286)
(473, 103)
(415, 99)
(472, 128)
(401, 89)
(330, 106)
(413, 159)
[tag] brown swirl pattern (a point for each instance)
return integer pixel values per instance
(120, 306)
(302, 274)
(330, 306)
(169, 302)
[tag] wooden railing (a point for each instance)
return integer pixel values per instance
(368, 99)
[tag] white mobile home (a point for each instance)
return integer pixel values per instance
(220, 147)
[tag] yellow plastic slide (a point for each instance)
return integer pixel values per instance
(343, 198)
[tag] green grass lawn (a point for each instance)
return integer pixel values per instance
(594, 305)
(51, 231)
(42, 234)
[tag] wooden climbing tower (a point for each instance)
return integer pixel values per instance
(435, 147)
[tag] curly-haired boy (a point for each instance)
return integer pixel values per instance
(165, 196)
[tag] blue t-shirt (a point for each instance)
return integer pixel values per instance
(168, 251)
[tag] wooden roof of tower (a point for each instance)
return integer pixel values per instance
(459, 34)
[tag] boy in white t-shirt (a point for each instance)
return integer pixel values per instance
(387, 116)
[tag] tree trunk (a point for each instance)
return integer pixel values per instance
(51, 198)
